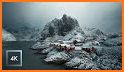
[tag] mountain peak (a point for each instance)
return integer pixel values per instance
(59, 27)
(64, 16)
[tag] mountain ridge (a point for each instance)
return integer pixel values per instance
(60, 27)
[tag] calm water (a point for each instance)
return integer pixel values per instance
(30, 59)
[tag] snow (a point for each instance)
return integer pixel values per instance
(86, 66)
(40, 45)
(113, 42)
(81, 63)
(52, 52)
(47, 50)
(75, 35)
(93, 31)
(63, 44)
(6, 36)
(73, 62)
(108, 46)
(59, 27)
(78, 48)
(105, 57)
(67, 42)
(58, 57)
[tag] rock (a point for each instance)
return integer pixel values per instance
(93, 31)
(73, 62)
(59, 57)
(80, 63)
(59, 27)
(95, 67)
(86, 66)
(85, 54)
(54, 51)
(94, 56)
(75, 34)
(113, 42)
(108, 62)
(39, 45)
(87, 63)
(47, 50)
(114, 35)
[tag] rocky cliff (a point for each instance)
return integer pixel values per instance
(60, 27)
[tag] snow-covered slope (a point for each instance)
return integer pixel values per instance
(6, 36)
(93, 31)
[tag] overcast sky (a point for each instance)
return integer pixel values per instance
(105, 16)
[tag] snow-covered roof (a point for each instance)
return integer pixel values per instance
(78, 40)
(78, 48)
(66, 42)
(63, 44)
(56, 43)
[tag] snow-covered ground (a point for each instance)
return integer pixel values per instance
(57, 57)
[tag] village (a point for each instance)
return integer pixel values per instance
(75, 45)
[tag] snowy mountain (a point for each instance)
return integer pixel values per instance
(60, 27)
(6, 36)
(93, 31)
(108, 54)
(22, 31)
